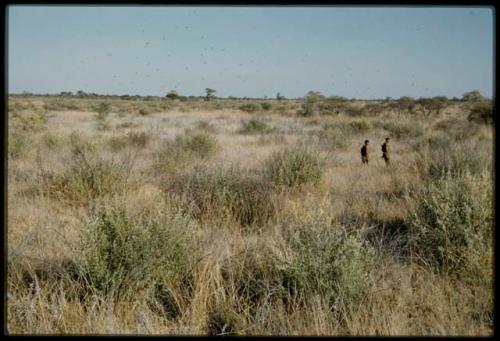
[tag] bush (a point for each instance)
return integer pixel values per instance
(87, 176)
(226, 194)
(129, 254)
(144, 111)
(452, 228)
(103, 109)
(255, 126)
(326, 260)
(482, 113)
(266, 105)
(138, 139)
(17, 144)
(202, 145)
(51, 141)
(459, 129)
(249, 107)
(404, 130)
(358, 127)
(118, 143)
(294, 167)
(33, 121)
(471, 156)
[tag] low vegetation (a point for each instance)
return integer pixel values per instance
(184, 215)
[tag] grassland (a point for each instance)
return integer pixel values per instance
(222, 218)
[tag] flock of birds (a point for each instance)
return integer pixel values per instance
(242, 76)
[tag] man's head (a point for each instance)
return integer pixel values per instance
(366, 142)
(387, 139)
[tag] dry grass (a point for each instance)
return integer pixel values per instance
(176, 189)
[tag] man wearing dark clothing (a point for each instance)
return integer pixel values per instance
(364, 152)
(386, 151)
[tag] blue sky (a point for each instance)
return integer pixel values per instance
(362, 52)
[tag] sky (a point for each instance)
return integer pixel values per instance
(355, 52)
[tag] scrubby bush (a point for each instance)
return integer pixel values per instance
(51, 141)
(35, 120)
(458, 129)
(132, 255)
(17, 144)
(206, 126)
(266, 105)
(310, 107)
(249, 107)
(87, 175)
(404, 130)
(103, 109)
(294, 167)
(226, 194)
(117, 143)
(482, 113)
(138, 139)
(254, 126)
(452, 228)
(203, 145)
(326, 260)
(144, 111)
(472, 156)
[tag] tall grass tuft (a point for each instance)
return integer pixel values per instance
(226, 194)
(87, 175)
(294, 167)
(452, 228)
(255, 126)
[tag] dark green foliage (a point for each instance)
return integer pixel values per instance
(482, 113)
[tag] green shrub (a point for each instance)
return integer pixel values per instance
(255, 276)
(472, 156)
(294, 167)
(482, 113)
(35, 120)
(452, 228)
(127, 125)
(138, 139)
(254, 126)
(226, 194)
(202, 145)
(358, 127)
(170, 157)
(103, 110)
(206, 126)
(87, 176)
(144, 111)
(331, 139)
(132, 255)
(404, 130)
(249, 107)
(457, 129)
(17, 144)
(118, 143)
(326, 260)
(51, 141)
(266, 105)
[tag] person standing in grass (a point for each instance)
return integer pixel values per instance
(386, 151)
(364, 152)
